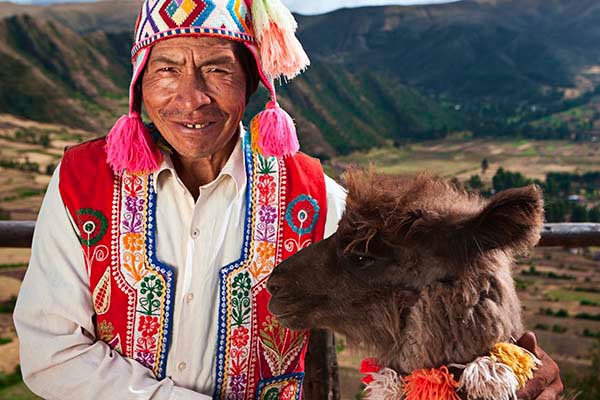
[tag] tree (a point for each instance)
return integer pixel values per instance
(475, 182)
(594, 215)
(579, 214)
(505, 180)
(484, 165)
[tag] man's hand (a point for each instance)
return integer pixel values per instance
(546, 383)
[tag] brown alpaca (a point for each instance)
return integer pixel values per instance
(418, 271)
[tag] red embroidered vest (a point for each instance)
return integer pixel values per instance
(133, 293)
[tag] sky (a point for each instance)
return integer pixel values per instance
(306, 7)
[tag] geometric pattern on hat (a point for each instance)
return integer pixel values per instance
(178, 13)
(161, 19)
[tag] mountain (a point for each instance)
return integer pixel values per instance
(108, 16)
(494, 67)
(50, 73)
(474, 49)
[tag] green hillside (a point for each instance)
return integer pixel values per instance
(379, 74)
(50, 73)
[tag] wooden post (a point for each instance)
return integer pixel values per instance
(321, 381)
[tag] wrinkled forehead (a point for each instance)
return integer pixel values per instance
(199, 47)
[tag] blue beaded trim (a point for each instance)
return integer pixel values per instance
(167, 274)
(295, 377)
(225, 271)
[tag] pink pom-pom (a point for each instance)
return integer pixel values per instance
(282, 53)
(130, 147)
(276, 132)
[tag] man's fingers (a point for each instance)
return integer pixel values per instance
(534, 388)
(529, 342)
(546, 383)
(552, 392)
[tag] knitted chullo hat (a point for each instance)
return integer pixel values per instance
(266, 27)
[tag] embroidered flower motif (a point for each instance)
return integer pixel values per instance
(146, 359)
(288, 392)
(92, 226)
(238, 383)
(133, 241)
(106, 331)
(266, 189)
(267, 214)
(241, 286)
(146, 344)
(148, 325)
(240, 337)
(265, 252)
(302, 214)
(133, 204)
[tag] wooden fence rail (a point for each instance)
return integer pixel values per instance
(322, 380)
(18, 234)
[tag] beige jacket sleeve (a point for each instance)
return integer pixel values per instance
(60, 357)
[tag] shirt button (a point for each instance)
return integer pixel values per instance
(195, 233)
(181, 366)
(189, 298)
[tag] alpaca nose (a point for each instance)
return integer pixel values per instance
(274, 284)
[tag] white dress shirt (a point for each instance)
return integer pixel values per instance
(59, 354)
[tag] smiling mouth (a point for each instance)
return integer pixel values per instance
(196, 126)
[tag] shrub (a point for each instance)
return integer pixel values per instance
(559, 328)
(588, 316)
(541, 327)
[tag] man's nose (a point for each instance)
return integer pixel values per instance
(192, 92)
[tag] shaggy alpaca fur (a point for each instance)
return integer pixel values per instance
(418, 270)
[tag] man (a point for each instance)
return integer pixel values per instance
(149, 261)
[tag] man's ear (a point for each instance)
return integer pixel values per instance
(511, 221)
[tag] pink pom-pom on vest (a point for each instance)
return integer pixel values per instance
(276, 134)
(130, 147)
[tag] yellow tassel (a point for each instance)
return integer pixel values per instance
(522, 362)
(254, 136)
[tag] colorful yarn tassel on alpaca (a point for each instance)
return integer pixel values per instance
(520, 361)
(431, 384)
(280, 51)
(130, 147)
(487, 379)
(495, 377)
(273, 133)
(385, 384)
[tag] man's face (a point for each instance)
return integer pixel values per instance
(194, 90)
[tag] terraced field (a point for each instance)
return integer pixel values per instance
(558, 287)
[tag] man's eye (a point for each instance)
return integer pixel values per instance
(167, 69)
(217, 70)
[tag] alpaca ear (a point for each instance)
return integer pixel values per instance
(511, 221)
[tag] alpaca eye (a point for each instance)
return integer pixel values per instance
(361, 259)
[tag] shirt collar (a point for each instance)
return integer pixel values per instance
(235, 167)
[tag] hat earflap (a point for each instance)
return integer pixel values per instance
(280, 51)
(130, 147)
